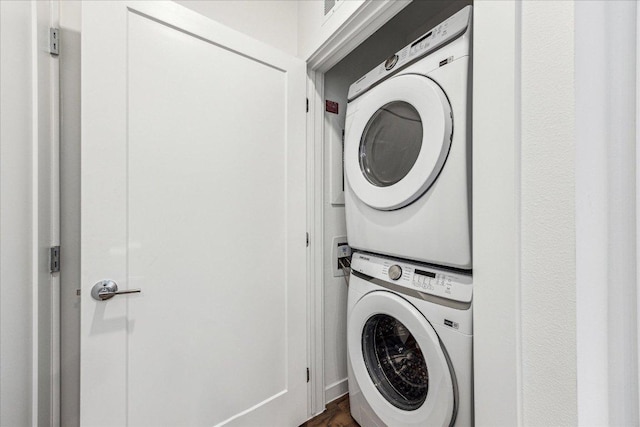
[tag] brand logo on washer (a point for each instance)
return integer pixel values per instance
(451, 324)
(364, 258)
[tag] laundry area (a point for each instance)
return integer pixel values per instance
(398, 203)
(376, 213)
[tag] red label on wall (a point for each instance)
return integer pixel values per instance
(331, 107)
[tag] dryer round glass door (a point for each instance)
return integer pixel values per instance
(397, 140)
(390, 143)
(399, 363)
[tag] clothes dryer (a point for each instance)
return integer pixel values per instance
(407, 155)
(410, 344)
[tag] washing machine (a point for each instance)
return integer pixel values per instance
(410, 344)
(407, 154)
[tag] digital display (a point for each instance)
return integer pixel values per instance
(426, 36)
(426, 273)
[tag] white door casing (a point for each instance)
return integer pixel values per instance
(193, 189)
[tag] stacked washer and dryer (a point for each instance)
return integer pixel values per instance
(407, 160)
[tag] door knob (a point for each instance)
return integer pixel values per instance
(106, 289)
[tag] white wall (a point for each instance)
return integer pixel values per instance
(275, 22)
(15, 214)
(314, 29)
(547, 200)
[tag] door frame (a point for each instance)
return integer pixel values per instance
(31, 213)
(365, 21)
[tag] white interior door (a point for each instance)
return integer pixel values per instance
(193, 190)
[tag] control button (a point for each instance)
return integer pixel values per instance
(395, 272)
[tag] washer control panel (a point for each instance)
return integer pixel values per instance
(428, 42)
(430, 280)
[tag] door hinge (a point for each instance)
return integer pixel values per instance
(54, 259)
(307, 239)
(307, 105)
(54, 41)
(308, 375)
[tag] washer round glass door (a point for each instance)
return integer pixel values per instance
(395, 362)
(397, 141)
(398, 362)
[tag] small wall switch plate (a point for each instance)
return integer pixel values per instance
(340, 249)
(331, 106)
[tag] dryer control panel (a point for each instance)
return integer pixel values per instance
(429, 280)
(428, 42)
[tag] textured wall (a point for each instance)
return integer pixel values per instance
(524, 214)
(548, 266)
(314, 28)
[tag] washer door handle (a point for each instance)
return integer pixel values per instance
(107, 289)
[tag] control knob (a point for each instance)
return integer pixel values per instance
(390, 62)
(395, 272)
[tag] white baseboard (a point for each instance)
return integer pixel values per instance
(336, 390)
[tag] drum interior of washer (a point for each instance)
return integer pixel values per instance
(395, 362)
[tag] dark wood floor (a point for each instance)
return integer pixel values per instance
(336, 415)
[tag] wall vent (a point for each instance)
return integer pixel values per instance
(328, 6)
